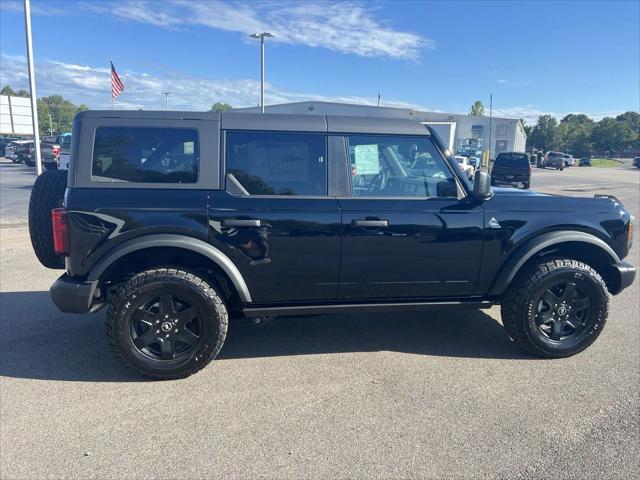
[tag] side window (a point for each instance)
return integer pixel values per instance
(390, 166)
(145, 155)
(274, 163)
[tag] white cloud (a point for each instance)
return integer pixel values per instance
(510, 83)
(91, 85)
(347, 27)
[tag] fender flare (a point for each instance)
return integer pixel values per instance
(177, 241)
(535, 245)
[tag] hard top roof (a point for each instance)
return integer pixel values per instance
(275, 121)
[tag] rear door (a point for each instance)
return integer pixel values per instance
(274, 217)
(406, 232)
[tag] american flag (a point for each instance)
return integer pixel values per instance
(117, 87)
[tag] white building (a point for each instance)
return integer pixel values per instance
(464, 134)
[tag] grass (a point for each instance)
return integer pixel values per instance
(605, 162)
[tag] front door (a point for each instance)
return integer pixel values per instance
(406, 233)
(275, 220)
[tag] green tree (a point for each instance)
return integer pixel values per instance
(574, 134)
(544, 135)
(612, 135)
(220, 107)
(55, 114)
(477, 109)
(7, 90)
(632, 120)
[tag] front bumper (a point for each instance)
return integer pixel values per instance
(622, 276)
(71, 295)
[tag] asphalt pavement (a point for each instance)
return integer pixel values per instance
(419, 395)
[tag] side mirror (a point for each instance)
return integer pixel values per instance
(481, 185)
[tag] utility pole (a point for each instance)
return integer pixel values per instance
(166, 100)
(32, 87)
(261, 36)
(490, 125)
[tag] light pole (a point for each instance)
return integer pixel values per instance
(261, 36)
(166, 100)
(32, 87)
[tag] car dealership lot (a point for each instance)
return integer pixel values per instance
(403, 395)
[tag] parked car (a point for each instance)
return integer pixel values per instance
(4, 141)
(10, 150)
(569, 161)
(176, 222)
(585, 162)
(636, 162)
(24, 152)
(65, 150)
(553, 160)
(465, 166)
(511, 168)
(51, 149)
(474, 162)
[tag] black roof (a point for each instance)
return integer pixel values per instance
(276, 121)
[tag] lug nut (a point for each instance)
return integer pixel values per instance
(166, 336)
(166, 315)
(157, 331)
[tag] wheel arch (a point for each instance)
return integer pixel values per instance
(193, 247)
(577, 245)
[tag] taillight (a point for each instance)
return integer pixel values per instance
(56, 151)
(60, 223)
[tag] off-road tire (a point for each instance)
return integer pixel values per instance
(520, 300)
(205, 298)
(47, 193)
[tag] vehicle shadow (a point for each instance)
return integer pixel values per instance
(38, 342)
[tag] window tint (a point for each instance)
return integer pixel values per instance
(388, 166)
(145, 155)
(261, 163)
(504, 160)
(520, 160)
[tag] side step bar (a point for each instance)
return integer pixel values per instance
(296, 310)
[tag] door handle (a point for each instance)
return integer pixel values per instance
(370, 223)
(240, 222)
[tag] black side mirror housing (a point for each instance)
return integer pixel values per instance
(481, 185)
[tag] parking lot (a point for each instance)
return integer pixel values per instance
(432, 395)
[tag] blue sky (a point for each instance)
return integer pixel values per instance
(535, 57)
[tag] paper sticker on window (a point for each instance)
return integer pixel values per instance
(366, 159)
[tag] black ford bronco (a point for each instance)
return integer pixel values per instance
(176, 221)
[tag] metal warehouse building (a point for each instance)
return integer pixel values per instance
(464, 134)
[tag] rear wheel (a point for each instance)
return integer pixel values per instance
(47, 193)
(556, 308)
(167, 323)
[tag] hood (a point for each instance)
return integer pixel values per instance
(516, 192)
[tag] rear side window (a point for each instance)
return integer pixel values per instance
(275, 163)
(145, 155)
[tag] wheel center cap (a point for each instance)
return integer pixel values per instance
(562, 310)
(166, 326)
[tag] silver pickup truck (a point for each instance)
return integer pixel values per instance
(52, 148)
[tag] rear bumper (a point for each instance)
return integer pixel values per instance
(622, 275)
(71, 295)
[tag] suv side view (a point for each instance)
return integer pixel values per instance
(177, 221)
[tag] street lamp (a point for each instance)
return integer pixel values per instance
(261, 36)
(166, 100)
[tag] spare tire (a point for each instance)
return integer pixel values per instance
(47, 193)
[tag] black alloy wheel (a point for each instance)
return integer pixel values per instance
(563, 312)
(166, 327)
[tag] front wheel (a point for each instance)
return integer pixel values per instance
(556, 309)
(167, 323)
